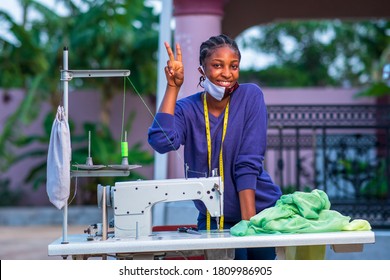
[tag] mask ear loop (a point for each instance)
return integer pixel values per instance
(201, 78)
(201, 70)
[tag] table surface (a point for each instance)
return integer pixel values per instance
(179, 241)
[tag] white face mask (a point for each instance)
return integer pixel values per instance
(214, 90)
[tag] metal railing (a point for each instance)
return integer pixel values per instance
(341, 149)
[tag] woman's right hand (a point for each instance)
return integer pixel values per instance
(174, 71)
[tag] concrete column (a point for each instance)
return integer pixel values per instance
(195, 21)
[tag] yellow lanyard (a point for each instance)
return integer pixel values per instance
(208, 135)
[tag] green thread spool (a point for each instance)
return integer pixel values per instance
(125, 149)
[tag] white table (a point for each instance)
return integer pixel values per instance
(215, 241)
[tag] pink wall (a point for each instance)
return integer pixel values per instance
(320, 96)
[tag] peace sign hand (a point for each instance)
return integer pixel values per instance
(174, 71)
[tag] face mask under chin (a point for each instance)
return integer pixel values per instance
(215, 91)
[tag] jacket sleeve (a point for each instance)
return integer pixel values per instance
(167, 132)
(249, 163)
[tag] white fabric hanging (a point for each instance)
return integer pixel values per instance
(58, 161)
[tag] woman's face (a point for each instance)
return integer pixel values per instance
(222, 67)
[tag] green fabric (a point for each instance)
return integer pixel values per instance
(299, 212)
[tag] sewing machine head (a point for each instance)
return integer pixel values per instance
(132, 201)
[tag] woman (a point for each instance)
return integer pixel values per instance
(222, 127)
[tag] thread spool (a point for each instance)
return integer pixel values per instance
(124, 149)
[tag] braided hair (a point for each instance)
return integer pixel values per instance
(208, 47)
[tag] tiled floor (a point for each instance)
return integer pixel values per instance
(30, 243)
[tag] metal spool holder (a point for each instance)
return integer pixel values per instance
(66, 76)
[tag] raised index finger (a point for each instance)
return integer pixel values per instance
(169, 51)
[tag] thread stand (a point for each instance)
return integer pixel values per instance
(90, 170)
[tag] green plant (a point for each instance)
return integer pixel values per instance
(37, 175)
(106, 150)
(8, 197)
(320, 52)
(367, 177)
(288, 189)
(376, 90)
(378, 186)
(126, 38)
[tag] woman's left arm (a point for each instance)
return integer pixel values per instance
(247, 203)
(249, 163)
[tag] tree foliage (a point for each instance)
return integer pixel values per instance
(101, 34)
(320, 53)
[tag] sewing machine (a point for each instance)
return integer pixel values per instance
(132, 238)
(132, 201)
